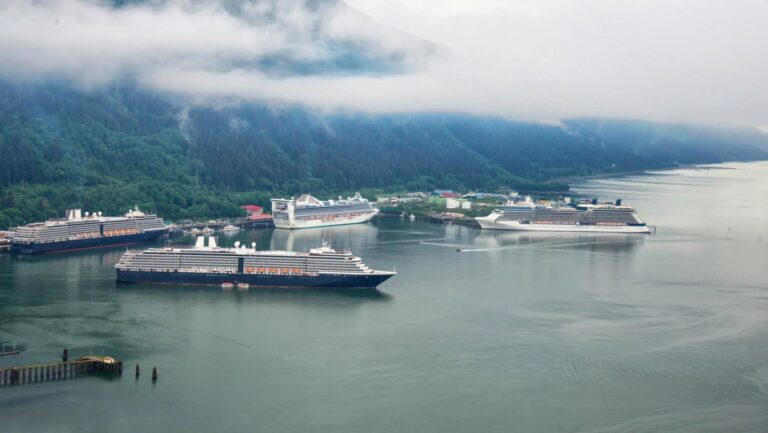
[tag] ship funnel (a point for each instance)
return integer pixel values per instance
(618, 202)
(200, 242)
(211, 242)
(594, 201)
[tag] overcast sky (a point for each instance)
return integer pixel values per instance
(700, 61)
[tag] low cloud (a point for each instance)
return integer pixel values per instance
(678, 60)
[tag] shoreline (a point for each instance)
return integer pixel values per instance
(435, 217)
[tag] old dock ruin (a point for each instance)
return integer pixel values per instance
(86, 365)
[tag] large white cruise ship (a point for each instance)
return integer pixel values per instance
(322, 267)
(564, 217)
(307, 211)
(76, 231)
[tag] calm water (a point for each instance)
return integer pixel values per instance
(522, 332)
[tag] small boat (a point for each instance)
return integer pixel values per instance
(243, 286)
(207, 230)
(230, 229)
(195, 231)
(412, 217)
(227, 286)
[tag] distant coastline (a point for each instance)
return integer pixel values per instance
(708, 166)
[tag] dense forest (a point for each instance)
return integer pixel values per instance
(110, 148)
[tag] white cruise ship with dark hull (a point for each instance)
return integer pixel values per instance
(307, 211)
(322, 267)
(79, 231)
(589, 217)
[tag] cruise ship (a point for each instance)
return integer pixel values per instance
(307, 211)
(587, 216)
(89, 230)
(322, 267)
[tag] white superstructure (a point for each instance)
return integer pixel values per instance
(307, 211)
(584, 217)
(215, 259)
(78, 225)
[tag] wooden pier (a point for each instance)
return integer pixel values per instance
(29, 374)
(243, 223)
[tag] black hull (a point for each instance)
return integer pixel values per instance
(82, 244)
(254, 280)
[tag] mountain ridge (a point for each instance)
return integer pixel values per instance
(112, 147)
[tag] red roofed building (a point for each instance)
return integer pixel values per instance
(450, 195)
(255, 212)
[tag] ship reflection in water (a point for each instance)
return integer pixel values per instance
(467, 240)
(313, 298)
(355, 237)
(596, 243)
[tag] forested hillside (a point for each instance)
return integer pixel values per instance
(110, 148)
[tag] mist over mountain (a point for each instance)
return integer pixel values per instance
(116, 146)
(168, 44)
(530, 60)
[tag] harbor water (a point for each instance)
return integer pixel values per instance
(526, 332)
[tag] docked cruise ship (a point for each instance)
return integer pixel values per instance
(589, 216)
(322, 267)
(82, 231)
(307, 211)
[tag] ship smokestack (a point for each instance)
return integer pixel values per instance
(618, 202)
(200, 242)
(594, 201)
(211, 242)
